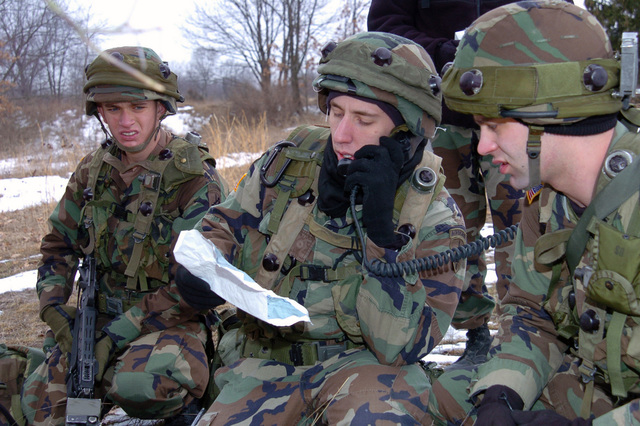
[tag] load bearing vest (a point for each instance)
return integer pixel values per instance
(295, 167)
(179, 162)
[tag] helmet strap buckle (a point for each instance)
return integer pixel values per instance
(533, 152)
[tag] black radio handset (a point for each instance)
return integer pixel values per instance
(404, 140)
(343, 166)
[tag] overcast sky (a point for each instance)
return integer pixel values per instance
(150, 23)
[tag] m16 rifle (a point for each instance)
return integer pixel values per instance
(82, 407)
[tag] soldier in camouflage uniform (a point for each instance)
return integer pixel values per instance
(543, 83)
(126, 203)
(291, 226)
(472, 179)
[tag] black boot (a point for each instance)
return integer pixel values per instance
(475, 352)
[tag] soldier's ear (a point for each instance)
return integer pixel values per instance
(100, 109)
(161, 110)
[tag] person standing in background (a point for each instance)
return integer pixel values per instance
(471, 178)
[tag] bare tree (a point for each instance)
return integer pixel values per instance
(297, 17)
(352, 18)
(201, 73)
(271, 38)
(39, 49)
(245, 30)
(20, 24)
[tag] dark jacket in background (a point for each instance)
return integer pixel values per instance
(432, 24)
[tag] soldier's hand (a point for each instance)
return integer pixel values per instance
(376, 170)
(104, 350)
(195, 291)
(60, 319)
(546, 417)
(496, 405)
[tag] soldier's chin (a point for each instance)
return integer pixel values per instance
(130, 146)
(520, 182)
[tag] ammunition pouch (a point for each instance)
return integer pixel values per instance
(615, 282)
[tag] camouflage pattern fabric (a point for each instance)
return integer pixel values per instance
(186, 193)
(527, 75)
(155, 376)
(541, 351)
(471, 180)
(16, 363)
(111, 77)
(400, 320)
(350, 388)
(449, 401)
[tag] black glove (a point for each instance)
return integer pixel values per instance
(195, 291)
(496, 405)
(547, 418)
(376, 170)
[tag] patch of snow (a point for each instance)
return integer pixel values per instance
(17, 194)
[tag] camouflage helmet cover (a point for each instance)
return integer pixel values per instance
(112, 77)
(545, 62)
(384, 67)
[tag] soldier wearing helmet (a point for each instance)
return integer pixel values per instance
(544, 84)
(474, 182)
(124, 206)
(309, 220)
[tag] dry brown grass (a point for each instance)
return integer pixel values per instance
(19, 321)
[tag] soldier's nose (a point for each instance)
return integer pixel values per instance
(343, 132)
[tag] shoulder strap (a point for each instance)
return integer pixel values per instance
(301, 161)
(295, 167)
(94, 171)
(417, 201)
(151, 183)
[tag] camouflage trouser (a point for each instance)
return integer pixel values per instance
(449, 400)
(472, 180)
(349, 388)
(154, 376)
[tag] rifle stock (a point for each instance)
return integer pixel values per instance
(82, 407)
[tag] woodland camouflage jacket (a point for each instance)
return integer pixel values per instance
(535, 335)
(400, 319)
(190, 184)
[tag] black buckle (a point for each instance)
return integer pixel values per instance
(313, 273)
(114, 306)
(295, 354)
(120, 212)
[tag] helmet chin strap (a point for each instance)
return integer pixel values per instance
(533, 152)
